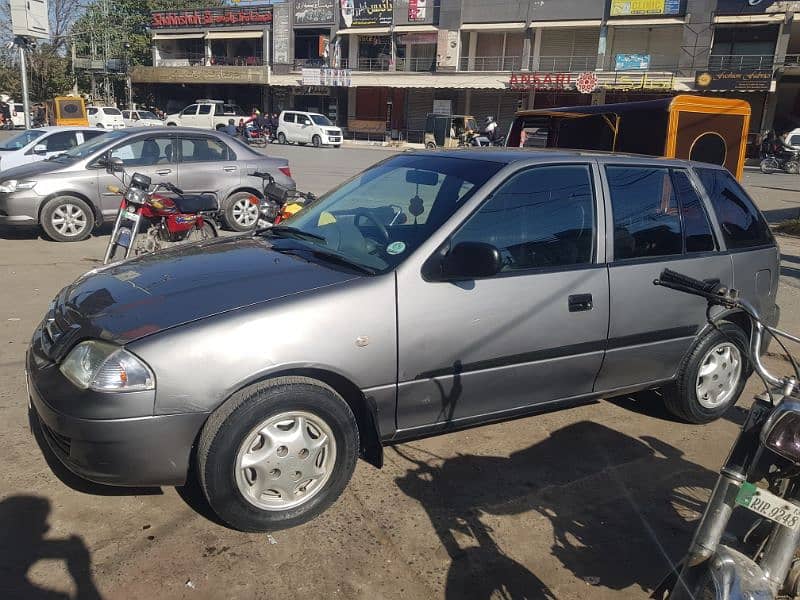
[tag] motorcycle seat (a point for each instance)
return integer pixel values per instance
(195, 203)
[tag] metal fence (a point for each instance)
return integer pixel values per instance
(190, 59)
(741, 61)
(490, 63)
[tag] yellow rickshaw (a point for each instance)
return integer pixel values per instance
(449, 131)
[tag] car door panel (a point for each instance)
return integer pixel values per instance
(650, 327)
(516, 340)
(204, 168)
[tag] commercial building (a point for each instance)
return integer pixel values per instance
(378, 67)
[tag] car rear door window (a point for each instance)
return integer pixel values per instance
(542, 217)
(205, 109)
(645, 209)
(743, 226)
(696, 227)
(203, 149)
(288, 117)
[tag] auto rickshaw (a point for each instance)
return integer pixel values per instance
(702, 128)
(67, 110)
(449, 131)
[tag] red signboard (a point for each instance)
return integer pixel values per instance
(541, 81)
(212, 17)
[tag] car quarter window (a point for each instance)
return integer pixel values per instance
(542, 217)
(204, 149)
(288, 117)
(126, 114)
(645, 210)
(91, 110)
(696, 226)
(145, 152)
(743, 226)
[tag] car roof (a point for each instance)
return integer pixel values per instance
(514, 155)
(49, 128)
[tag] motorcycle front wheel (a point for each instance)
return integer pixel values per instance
(769, 165)
(792, 167)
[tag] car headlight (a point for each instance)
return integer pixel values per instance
(104, 367)
(781, 433)
(13, 185)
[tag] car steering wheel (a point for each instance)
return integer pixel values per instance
(363, 212)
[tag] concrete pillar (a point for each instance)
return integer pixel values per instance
(604, 46)
(525, 60)
(207, 50)
(473, 47)
(351, 103)
(698, 34)
(156, 55)
(408, 57)
(536, 54)
(352, 55)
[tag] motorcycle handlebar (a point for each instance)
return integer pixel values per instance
(711, 289)
(261, 175)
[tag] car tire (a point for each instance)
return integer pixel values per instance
(281, 137)
(792, 167)
(711, 376)
(172, 124)
(67, 219)
(239, 213)
(317, 141)
(292, 433)
(430, 146)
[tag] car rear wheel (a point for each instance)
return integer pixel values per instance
(277, 454)
(240, 212)
(317, 141)
(711, 377)
(67, 219)
(430, 145)
(281, 138)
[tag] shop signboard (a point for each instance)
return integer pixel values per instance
(417, 10)
(314, 12)
(590, 81)
(212, 17)
(631, 8)
(631, 62)
(750, 7)
(327, 77)
(733, 80)
(366, 13)
(443, 107)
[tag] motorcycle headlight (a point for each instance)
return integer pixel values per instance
(104, 367)
(13, 185)
(781, 434)
(136, 196)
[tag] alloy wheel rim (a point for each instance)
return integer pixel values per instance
(719, 375)
(244, 212)
(285, 460)
(69, 220)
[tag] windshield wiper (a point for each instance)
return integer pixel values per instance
(326, 255)
(292, 231)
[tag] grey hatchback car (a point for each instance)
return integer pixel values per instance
(432, 292)
(67, 194)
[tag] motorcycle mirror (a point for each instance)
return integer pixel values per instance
(115, 165)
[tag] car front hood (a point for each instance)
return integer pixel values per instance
(132, 299)
(30, 170)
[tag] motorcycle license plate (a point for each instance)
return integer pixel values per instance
(769, 506)
(129, 214)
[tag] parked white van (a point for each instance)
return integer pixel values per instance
(308, 128)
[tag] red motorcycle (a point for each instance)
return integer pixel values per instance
(148, 221)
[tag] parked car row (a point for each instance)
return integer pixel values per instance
(42, 143)
(66, 194)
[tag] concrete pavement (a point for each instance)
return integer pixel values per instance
(593, 502)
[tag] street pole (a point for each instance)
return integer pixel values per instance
(23, 71)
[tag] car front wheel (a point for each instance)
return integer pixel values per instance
(277, 454)
(711, 377)
(67, 219)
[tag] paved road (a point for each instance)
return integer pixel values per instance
(591, 502)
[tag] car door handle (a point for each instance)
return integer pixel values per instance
(164, 172)
(229, 169)
(579, 302)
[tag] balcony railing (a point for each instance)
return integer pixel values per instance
(564, 64)
(418, 63)
(792, 60)
(741, 61)
(190, 59)
(491, 63)
(309, 63)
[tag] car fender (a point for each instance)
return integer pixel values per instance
(98, 214)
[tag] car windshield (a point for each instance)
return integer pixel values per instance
(90, 147)
(21, 140)
(378, 218)
(146, 114)
(321, 120)
(112, 111)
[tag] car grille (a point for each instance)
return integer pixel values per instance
(333, 132)
(61, 442)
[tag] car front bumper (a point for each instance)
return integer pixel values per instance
(19, 208)
(151, 450)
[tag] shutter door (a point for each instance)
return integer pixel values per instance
(420, 103)
(630, 40)
(584, 49)
(573, 49)
(664, 48)
(509, 105)
(484, 103)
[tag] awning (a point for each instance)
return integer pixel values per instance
(177, 36)
(415, 29)
(763, 18)
(587, 23)
(233, 35)
(645, 22)
(364, 31)
(491, 26)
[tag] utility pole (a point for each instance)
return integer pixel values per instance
(22, 43)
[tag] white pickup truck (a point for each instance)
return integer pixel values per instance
(209, 114)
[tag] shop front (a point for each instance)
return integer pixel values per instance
(752, 85)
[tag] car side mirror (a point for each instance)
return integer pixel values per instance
(40, 149)
(467, 260)
(115, 165)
